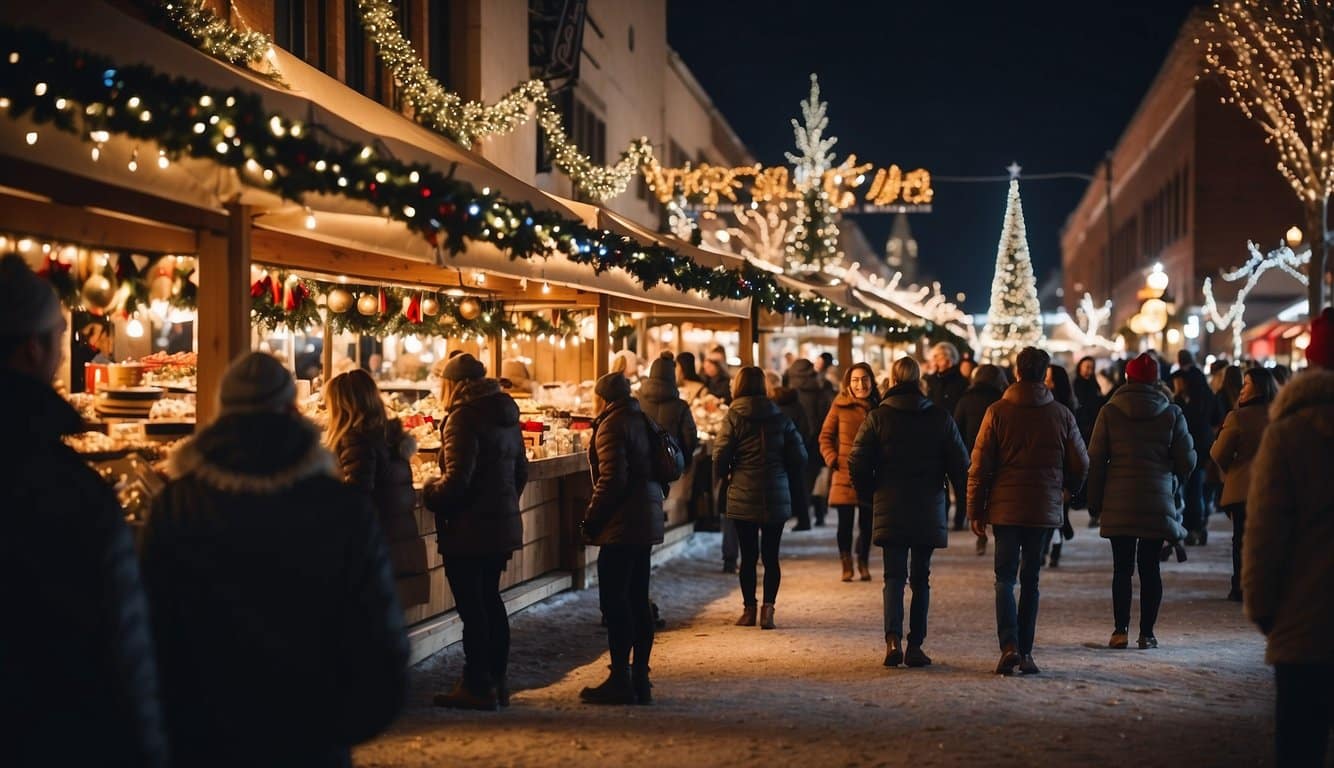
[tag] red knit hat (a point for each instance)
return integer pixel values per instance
(1143, 369)
(1320, 352)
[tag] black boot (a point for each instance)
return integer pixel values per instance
(821, 506)
(642, 686)
(1055, 560)
(616, 689)
(502, 690)
(893, 651)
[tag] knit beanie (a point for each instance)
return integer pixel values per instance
(257, 383)
(612, 387)
(1143, 369)
(464, 367)
(1320, 352)
(28, 304)
(664, 368)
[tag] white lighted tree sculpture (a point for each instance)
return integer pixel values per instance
(1277, 60)
(1014, 320)
(761, 234)
(1088, 333)
(1280, 258)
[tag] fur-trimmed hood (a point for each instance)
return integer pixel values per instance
(257, 453)
(1312, 393)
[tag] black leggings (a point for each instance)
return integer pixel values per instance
(623, 577)
(864, 517)
(475, 583)
(1124, 559)
(753, 547)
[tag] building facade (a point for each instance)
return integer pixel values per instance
(1192, 181)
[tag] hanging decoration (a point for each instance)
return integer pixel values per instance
(81, 92)
(339, 300)
(101, 283)
(368, 305)
(214, 35)
(1282, 258)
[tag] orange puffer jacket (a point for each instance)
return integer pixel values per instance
(836, 438)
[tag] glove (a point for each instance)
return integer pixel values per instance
(589, 530)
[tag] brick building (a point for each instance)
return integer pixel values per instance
(1193, 181)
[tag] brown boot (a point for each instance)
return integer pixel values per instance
(847, 565)
(747, 617)
(893, 651)
(864, 568)
(766, 616)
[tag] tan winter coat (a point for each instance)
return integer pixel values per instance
(1027, 452)
(1287, 573)
(1235, 448)
(836, 439)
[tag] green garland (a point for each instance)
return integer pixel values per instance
(216, 37)
(82, 92)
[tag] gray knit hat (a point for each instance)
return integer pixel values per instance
(28, 304)
(257, 383)
(464, 367)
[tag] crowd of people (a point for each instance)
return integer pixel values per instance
(197, 648)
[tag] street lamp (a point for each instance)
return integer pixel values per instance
(1294, 237)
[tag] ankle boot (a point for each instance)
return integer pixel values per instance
(766, 616)
(502, 690)
(1055, 560)
(615, 690)
(893, 651)
(642, 686)
(916, 657)
(747, 617)
(864, 568)
(464, 697)
(847, 565)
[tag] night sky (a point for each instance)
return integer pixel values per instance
(959, 88)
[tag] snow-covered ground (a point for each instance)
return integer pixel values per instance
(814, 692)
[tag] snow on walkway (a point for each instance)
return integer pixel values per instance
(814, 692)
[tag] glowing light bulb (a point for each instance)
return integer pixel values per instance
(135, 328)
(310, 219)
(546, 287)
(30, 137)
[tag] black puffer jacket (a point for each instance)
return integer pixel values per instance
(816, 396)
(970, 409)
(661, 400)
(255, 545)
(764, 455)
(78, 681)
(1204, 415)
(901, 458)
(626, 507)
(944, 389)
(483, 470)
(1139, 454)
(379, 465)
(1089, 397)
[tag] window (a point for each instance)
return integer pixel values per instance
(289, 26)
(437, 43)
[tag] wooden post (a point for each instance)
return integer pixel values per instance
(224, 306)
(844, 350)
(762, 344)
(497, 353)
(326, 354)
(602, 338)
(746, 339)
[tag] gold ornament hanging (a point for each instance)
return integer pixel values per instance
(98, 292)
(368, 304)
(430, 306)
(470, 308)
(339, 300)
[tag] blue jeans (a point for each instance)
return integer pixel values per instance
(896, 577)
(1018, 555)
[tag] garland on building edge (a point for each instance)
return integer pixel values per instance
(85, 94)
(213, 35)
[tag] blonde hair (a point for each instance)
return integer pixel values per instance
(354, 406)
(905, 370)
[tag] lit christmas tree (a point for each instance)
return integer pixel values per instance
(813, 237)
(1014, 320)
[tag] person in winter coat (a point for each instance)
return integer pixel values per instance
(1203, 417)
(988, 385)
(1287, 571)
(1058, 382)
(624, 518)
(78, 680)
(717, 379)
(1140, 454)
(1233, 451)
(374, 456)
(790, 406)
(483, 471)
(255, 543)
(1027, 456)
(901, 458)
(762, 454)
(1088, 401)
(661, 400)
(816, 396)
(857, 398)
(688, 380)
(945, 385)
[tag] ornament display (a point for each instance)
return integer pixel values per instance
(368, 304)
(339, 300)
(470, 308)
(430, 306)
(97, 292)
